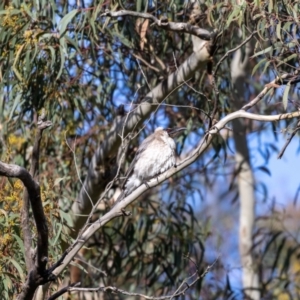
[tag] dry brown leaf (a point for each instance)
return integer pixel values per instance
(141, 27)
(270, 85)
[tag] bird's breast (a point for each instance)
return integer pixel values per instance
(155, 160)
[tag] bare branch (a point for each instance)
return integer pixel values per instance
(233, 50)
(94, 183)
(145, 62)
(10, 170)
(164, 23)
(34, 169)
(277, 81)
(184, 286)
(118, 209)
(36, 276)
(289, 140)
(64, 290)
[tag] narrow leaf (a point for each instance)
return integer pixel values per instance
(66, 20)
(18, 267)
(285, 95)
(16, 103)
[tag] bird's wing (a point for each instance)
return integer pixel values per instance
(128, 172)
(142, 148)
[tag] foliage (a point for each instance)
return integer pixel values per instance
(80, 67)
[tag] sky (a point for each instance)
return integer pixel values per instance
(283, 182)
(282, 186)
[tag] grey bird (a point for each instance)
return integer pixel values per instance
(155, 155)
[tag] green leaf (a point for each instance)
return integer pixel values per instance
(16, 103)
(11, 12)
(265, 170)
(7, 283)
(234, 14)
(295, 55)
(17, 73)
(82, 268)
(66, 217)
(57, 234)
(58, 180)
(62, 50)
(62, 25)
(73, 43)
(31, 14)
(18, 267)
(258, 65)
(285, 95)
(2, 211)
(286, 26)
(20, 242)
(278, 31)
(266, 66)
(266, 50)
(53, 56)
(295, 10)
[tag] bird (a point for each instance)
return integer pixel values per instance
(155, 155)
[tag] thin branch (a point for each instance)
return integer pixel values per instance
(64, 290)
(145, 78)
(289, 140)
(184, 286)
(118, 209)
(94, 185)
(11, 170)
(187, 285)
(216, 101)
(233, 50)
(164, 23)
(273, 84)
(145, 62)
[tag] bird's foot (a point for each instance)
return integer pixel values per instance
(146, 184)
(126, 213)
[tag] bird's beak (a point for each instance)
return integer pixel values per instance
(175, 131)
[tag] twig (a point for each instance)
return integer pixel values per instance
(143, 74)
(145, 62)
(59, 262)
(64, 290)
(216, 101)
(233, 50)
(179, 292)
(164, 23)
(202, 146)
(109, 146)
(289, 140)
(279, 80)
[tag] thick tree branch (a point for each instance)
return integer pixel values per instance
(118, 209)
(95, 180)
(25, 222)
(164, 23)
(244, 174)
(36, 275)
